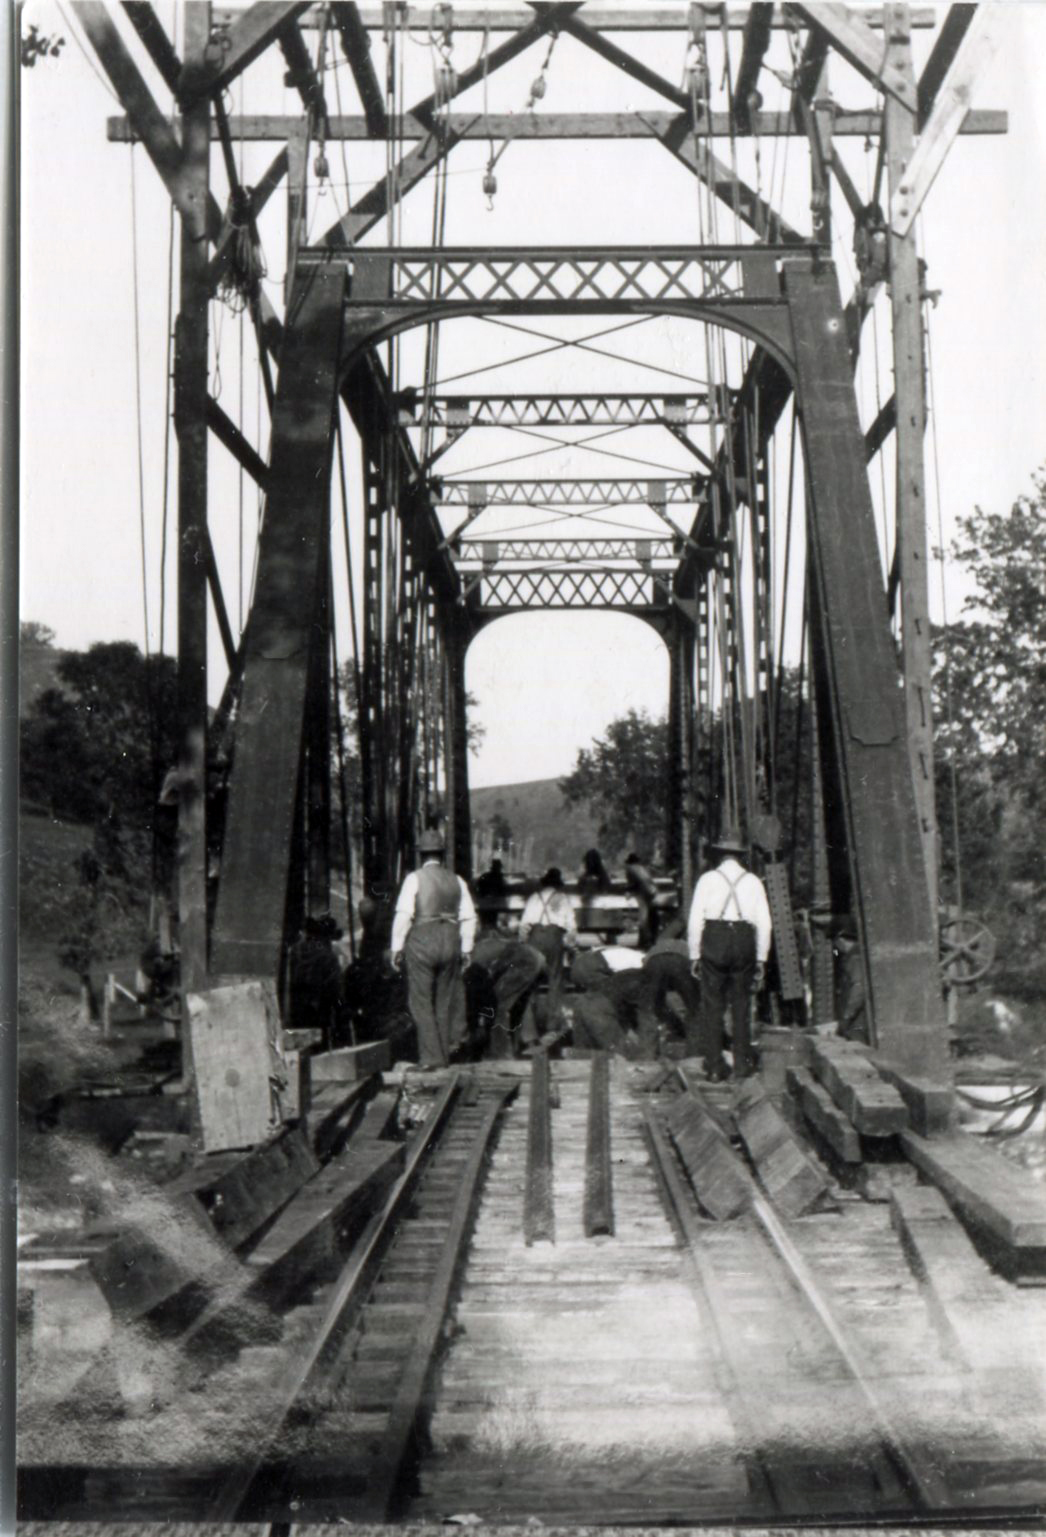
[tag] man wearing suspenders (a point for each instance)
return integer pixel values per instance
(549, 925)
(433, 930)
(728, 937)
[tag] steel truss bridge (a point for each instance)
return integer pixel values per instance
(703, 576)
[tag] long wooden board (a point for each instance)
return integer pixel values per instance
(874, 1106)
(992, 1197)
(788, 1175)
(719, 1178)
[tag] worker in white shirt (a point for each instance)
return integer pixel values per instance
(728, 939)
(433, 930)
(548, 924)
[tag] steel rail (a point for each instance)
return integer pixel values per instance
(412, 1394)
(599, 1178)
(922, 1479)
(347, 1294)
(538, 1215)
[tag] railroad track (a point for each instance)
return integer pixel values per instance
(541, 1322)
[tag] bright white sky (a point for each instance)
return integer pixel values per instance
(546, 684)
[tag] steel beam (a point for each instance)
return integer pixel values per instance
(945, 46)
(870, 783)
(456, 764)
(758, 27)
(680, 822)
(568, 493)
(494, 551)
(263, 807)
(620, 410)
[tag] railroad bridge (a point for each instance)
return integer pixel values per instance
(761, 552)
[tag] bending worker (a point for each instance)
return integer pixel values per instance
(433, 930)
(728, 937)
(548, 924)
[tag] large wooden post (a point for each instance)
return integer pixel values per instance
(910, 393)
(190, 420)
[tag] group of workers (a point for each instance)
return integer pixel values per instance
(452, 960)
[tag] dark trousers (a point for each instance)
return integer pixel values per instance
(547, 939)
(597, 1023)
(500, 980)
(435, 992)
(727, 970)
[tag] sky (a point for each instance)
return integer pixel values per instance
(95, 229)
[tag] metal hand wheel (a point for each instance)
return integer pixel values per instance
(967, 950)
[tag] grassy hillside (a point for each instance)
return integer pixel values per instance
(545, 830)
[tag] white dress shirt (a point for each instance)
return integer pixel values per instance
(732, 893)
(404, 914)
(552, 907)
(621, 958)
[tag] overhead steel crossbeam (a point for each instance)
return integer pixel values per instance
(606, 587)
(566, 493)
(623, 410)
(567, 274)
(486, 552)
(847, 123)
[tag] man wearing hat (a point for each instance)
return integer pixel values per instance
(433, 931)
(728, 938)
(548, 924)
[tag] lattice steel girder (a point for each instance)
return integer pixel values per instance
(621, 410)
(277, 128)
(868, 778)
(473, 552)
(567, 274)
(610, 492)
(290, 591)
(606, 587)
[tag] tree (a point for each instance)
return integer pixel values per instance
(32, 633)
(95, 747)
(500, 830)
(990, 732)
(622, 779)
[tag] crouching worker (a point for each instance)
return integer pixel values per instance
(501, 981)
(432, 932)
(548, 925)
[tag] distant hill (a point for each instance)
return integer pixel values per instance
(545, 830)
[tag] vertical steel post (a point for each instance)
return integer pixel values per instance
(318, 742)
(679, 817)
(822, 973)
(190, 421)
(459, 822)
(909, 389)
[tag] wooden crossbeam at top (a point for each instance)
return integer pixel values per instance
(606, 18)
(277, 128)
